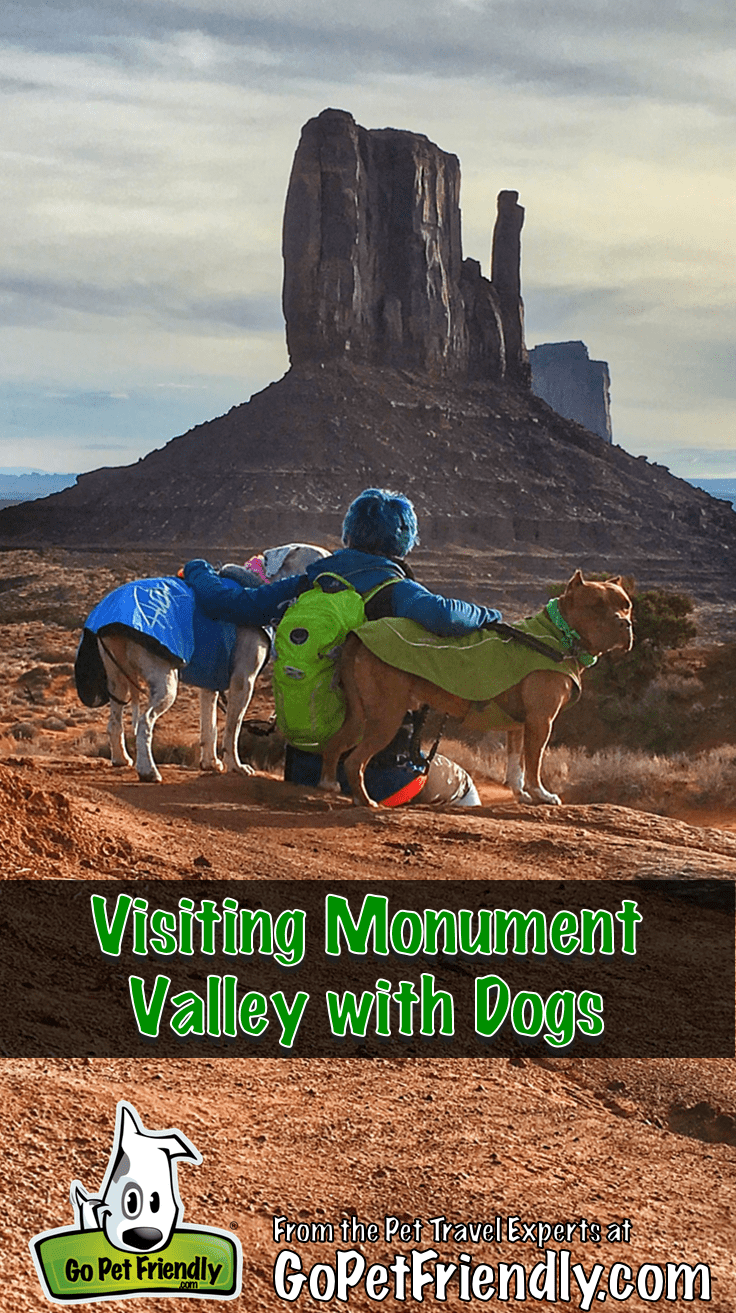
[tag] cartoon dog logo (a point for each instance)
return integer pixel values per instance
(138, 1205)
(129, 1239)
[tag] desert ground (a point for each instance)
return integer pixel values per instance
(546, 1139)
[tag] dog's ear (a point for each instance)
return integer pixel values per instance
(132, 1132)
(86, 1207)
(178, 1146)
(577, 580)
(616, 579)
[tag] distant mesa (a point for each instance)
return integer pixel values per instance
(724, 489)
(575, 386)
(373, 262)
(26, 487)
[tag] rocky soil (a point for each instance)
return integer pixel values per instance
(541, 1138)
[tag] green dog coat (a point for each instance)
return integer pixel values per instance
(478, 667)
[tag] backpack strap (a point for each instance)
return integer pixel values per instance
(330, 574)
(367, 597)
(386, 583)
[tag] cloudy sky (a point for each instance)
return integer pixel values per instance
(146, 155)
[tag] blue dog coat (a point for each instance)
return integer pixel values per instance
(164, 609)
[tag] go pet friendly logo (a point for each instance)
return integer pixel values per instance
(126, 1241)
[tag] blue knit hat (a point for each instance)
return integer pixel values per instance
(381, 522)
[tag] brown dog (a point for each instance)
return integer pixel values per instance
(378, 695)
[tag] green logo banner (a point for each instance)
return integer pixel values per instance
(77, 1266)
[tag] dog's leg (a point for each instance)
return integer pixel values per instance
(120, 690)
(208, 758)
(251, 652)
(535, 742)
(119, 754)
(377, 737)
(347, 737)
(379, 697)
(351, 730)
(545, 694)
(163, 681)
(514, 761)
(353, 727)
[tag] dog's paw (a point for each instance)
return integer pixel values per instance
(238, 768)
(329, 786)
(214, 764)
(152, 777)
(124, 761)
(542, 798)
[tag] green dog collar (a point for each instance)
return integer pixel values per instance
(570, 637)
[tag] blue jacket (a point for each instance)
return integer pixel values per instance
(225, 599)
(447, 616)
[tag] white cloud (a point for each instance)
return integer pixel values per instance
(148, 148)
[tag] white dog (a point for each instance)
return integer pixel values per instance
(149, 681)
(138, 1205)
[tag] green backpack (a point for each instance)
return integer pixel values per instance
(310, 704)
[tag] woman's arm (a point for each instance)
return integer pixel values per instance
(447, 616)
(227, 600)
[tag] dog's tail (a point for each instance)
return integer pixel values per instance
(89, 673)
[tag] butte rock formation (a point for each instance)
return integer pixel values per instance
(409, 370)
(575, 386)
(373, 263)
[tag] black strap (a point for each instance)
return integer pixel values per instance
(260, 729)
(415, 751)
(508, 634)
(415, 745)
(436, 744)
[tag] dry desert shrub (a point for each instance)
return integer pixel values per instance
(625, 776)
(166, 752)
(661, 718)
(171, 752)
(262, 746)
(715, 774)
(92, 742)
(654, 782)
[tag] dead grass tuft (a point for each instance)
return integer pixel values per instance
(652, 782)
(623, 776)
